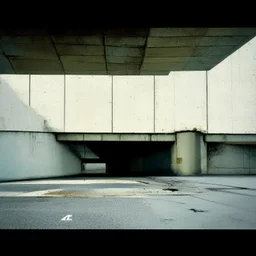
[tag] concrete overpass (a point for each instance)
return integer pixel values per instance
(123, 51)
(185, 123)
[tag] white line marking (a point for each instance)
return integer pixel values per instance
(76, 182)
(37, 193)
(67, 217)
(9, 194)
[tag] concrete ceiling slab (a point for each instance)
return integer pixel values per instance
(124, 51)
(87, 59)
(76, 66)
(169, 52)
(37, 66)
(78, 40)
(124, 59)
(125, 41)
(173, 41)
(117, 51)
(174, 32)
(79, 50)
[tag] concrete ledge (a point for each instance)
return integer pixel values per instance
(70, 137)
(115, 137)
(231, 138)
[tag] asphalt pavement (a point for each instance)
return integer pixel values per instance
(138, 203)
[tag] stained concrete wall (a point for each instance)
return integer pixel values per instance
(231, 159)
(181, 102)
(222, 100)
(26, 155)
(15, 112)
(232, 93)
(47, 98)
(108, 104)
(190, 101)
(27, 147)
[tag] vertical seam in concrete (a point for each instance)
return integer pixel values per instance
(243, 158)
(207, 106)
(29, 90)
(112, 104)
(64, 91)
(105, 56)
(144, 50)
(154, 105)
(56, 51)
(13, 69)
(231, 95)
(249, 158)
(174, 108)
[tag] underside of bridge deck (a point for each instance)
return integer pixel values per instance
(117, 51)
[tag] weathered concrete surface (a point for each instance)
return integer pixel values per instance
(231, 138)
(130, 203)
(186, 153)
(231, 159)
(113, 51)
(83, 137)
(26, 155)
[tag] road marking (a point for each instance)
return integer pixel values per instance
(102, 181)
(9, 194)
(67, 217)
(38, 193)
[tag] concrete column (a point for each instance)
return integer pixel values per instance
(187, 155)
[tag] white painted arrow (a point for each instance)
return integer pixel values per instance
(68, 217)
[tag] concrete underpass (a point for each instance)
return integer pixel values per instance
(133, 158)
(128, 128)
(152, 101)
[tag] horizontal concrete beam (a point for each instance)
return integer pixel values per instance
(231, 138)
(114, 137)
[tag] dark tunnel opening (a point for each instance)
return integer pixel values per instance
(131, 159)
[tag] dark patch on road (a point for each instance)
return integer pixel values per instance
(225, 188)
(171, 189)
(164, 220)
(144, 182)
(229, 190)
(196, 210)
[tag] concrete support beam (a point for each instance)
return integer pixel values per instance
(114, 137)
(187, 155)
(70, 137)
(231, 138)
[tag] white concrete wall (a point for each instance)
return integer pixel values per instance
(190, 100)
(25, 155)
(15, 113)
(161, 104)
(232, 93)
(47, 98)
(19, 84)
(222, 100)
(231, 159)
(88, 103)
(181, 102)
(133, 104)
(164, 104)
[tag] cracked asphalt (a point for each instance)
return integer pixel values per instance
(129, 203)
